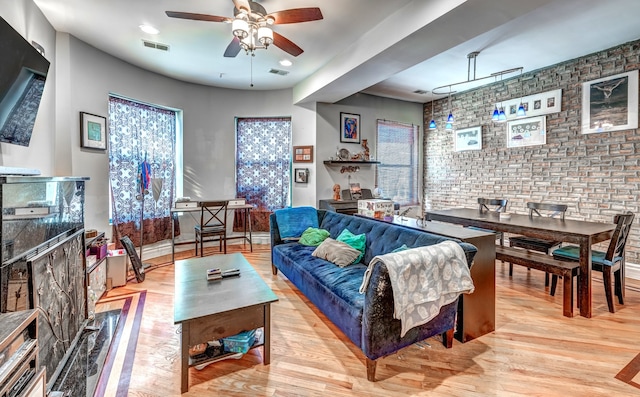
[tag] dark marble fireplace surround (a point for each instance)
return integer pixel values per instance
(43, 261)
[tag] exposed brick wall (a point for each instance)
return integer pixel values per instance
(596, 175)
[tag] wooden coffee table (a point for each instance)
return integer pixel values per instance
(209, 310)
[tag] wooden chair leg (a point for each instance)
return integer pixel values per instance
(619, 286)
(608, 291)
(546, 279)
(554, 284)
(371, 370)
(510, 269)
(274, 270)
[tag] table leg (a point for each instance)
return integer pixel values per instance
(184, 363)
(173, 239)
(266, 347)
(250, 237)
(584, 284)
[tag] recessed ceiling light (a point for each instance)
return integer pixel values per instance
(149, 29)
(286, 62)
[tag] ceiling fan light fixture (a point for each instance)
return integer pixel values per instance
(265, 35)
(240, 28)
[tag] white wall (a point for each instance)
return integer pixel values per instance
(27, 19)
(370, 108)
(81, 78)
(209, 122)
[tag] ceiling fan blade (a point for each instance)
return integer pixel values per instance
(286, 45)
(197, 17)
(233, 48)
(296, 15)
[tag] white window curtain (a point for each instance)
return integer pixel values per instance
(397, 149)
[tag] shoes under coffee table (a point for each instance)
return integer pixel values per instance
(211, 310)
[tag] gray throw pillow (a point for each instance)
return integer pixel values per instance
(336, 252)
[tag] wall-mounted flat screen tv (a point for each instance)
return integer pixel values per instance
(23, 72)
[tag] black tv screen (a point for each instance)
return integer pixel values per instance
(23, 72)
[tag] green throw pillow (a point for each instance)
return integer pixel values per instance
(356, 241)
(313, 236)
(403, 247)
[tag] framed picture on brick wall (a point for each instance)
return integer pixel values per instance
(527, 132)
(469, 139)
(610, 103)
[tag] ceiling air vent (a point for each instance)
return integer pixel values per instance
(157, 46)
(420, 92)
(279, 72)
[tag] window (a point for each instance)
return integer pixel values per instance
(397, 175)
(142, 141)
(263, 165)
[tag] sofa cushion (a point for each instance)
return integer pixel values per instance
(355, 241)
(337, 252)
(313, 236)
(292, 222)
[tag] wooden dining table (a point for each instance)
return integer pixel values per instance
(582, 233)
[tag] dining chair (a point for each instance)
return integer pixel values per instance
(213, 223)
(492, 205)
(609, 262)
(536, 244)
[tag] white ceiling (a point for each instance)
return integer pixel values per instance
(383, 47)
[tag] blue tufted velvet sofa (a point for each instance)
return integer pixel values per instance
(366, 319)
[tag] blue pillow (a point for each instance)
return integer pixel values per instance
(357, 241)
(292, 222)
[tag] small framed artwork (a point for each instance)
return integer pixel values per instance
(469, 139)
(301, 175)
(303, 154)
(610, 103)
(93, 131)
(349, 127)
(527, 132)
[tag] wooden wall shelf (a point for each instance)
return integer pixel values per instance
(339, 162)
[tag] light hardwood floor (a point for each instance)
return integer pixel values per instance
(535, 351)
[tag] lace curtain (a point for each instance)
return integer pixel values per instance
(263, 166)
(139, 132)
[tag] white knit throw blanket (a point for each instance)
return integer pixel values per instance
(423, 280)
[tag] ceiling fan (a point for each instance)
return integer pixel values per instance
(251, 26)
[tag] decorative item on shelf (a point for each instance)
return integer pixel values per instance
(336, 192)
(343, 154)
(471, 57)
(366, 149)
(349, 127)
(303, 154)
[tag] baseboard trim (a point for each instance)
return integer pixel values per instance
(632, 270)
(164, 247)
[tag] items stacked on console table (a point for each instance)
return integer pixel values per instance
(43, 260)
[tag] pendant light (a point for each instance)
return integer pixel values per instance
(502, 117)
(521, 111)
(432, 123)
(450, 119)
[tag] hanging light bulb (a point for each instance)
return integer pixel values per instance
(502, 117)
(496, 114)
(432, 123)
